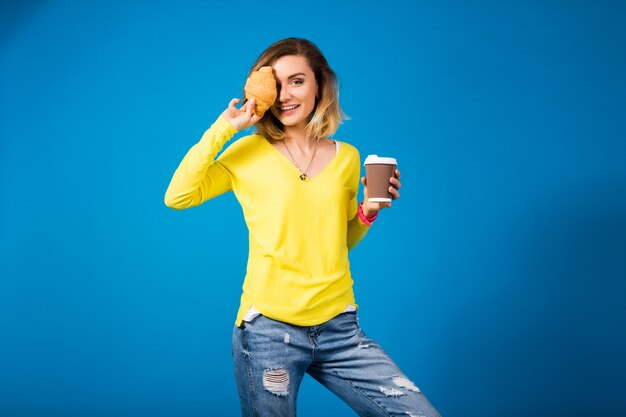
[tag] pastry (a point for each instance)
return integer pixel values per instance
(261, 86)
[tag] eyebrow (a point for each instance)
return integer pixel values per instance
(292, 76)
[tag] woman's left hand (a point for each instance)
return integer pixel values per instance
(369, 209)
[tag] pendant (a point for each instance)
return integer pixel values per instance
(303, 177)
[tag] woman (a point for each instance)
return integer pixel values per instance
(298, 191)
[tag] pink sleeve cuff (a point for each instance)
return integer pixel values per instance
(367, 220)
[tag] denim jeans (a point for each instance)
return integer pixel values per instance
(271, 358)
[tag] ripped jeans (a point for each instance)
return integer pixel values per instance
(271, 358)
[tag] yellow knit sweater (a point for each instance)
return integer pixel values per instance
(299, 231)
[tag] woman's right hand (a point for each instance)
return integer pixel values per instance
(243, 117)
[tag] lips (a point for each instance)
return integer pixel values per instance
(288, 109)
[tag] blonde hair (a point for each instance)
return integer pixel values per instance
(327, 115)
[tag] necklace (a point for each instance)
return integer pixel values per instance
(303, 175)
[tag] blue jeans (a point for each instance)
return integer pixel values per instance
(271, 358)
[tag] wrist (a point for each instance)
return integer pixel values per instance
(365, 215)
(370, 214)
(228, 121)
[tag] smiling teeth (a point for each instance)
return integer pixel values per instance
(288, 108)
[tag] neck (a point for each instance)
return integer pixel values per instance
(297, 139)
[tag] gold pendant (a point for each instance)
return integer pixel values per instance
(303, 177)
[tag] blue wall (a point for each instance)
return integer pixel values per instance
(497, 282)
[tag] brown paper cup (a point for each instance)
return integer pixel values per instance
(378, 170)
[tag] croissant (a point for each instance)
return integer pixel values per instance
(261, 86)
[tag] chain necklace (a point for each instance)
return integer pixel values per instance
(303, 175)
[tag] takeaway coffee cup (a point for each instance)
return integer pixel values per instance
(378, 170)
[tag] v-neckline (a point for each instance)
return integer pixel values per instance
(294, 168)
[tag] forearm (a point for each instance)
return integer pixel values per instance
(199, 177)
(358, 226)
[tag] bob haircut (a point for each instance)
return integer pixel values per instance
(327, 115)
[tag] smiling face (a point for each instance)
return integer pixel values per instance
(297, 90)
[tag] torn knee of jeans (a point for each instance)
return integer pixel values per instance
(246, 353)
(403, 382)
(286, 338)
(276, 381)
(390, 392)
(364, 345)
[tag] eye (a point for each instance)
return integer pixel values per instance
(297, 81)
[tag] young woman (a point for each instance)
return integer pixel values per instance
(298, 191)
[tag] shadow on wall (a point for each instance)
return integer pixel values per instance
(13, 14)
(552, 336)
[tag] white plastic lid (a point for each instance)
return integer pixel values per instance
(375, 159)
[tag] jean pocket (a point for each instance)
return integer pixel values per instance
(351, 319)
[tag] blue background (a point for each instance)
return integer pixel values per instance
(497, 282)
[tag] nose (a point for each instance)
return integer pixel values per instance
(283, 94)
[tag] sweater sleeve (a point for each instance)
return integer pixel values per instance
(199, 177)
(356, 228)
